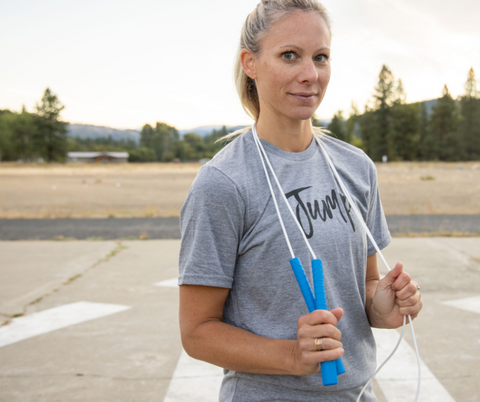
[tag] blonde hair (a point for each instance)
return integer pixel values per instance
(256, 26)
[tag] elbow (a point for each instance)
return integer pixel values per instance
(196, 340)
(192, 340)
(188, 343)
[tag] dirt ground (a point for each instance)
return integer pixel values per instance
(144, 190)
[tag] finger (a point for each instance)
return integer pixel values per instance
(407, 291)
(391, 277)
(328, 355)
(309, 332)
(318, 317)
(338, 313)
(323, 356)
(326, 344)
(410, 301)
(411, 310)
(402, 280)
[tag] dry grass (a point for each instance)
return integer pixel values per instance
(153, 190)
(430, 188)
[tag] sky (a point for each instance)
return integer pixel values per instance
(125, 63)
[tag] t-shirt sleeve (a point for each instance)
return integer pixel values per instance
(211, 224)
(376, 221)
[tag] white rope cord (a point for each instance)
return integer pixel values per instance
(261, 151)
(384, 362)
(259, 144)
(275, 200)
(369, 234)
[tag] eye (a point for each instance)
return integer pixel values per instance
(322, 58)
(288, 55)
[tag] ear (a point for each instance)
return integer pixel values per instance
(247, 58)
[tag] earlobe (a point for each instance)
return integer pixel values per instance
(248, 63)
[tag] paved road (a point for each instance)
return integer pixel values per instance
(82, 229)
(101, 324)
(168, 228)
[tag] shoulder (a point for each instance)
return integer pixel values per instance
(353, 159)
(227, 173)
(238, 163)
(234, 158)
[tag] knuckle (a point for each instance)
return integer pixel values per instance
(302, 332)
(329, 331)
(321, 315)
(304, 349)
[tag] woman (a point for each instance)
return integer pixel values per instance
(240, 305)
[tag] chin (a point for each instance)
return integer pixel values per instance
(302, 115)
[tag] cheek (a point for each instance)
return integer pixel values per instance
(273, 82)
(324, 79)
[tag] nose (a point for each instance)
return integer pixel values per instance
(309, 73)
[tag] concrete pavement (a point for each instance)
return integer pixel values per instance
(132, 354)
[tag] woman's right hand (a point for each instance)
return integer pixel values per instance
(318, 324)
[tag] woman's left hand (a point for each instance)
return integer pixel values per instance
(395, 297)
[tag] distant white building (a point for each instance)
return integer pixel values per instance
(98, 157)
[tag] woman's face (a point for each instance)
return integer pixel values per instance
(292, 69)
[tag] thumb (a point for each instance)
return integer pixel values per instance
(392, 276)
(337, 312)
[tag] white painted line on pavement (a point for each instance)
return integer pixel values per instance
(168, 283)
(398, 379)
(471, 304)
(200, 381)
(194, 380)
(22, 328)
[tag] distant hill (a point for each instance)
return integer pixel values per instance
(91, 131)
(202, 131)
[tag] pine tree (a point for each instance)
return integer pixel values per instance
(162, 140)
(384, 97)
(146, 136)
(351, 125)
(405, 132)
(444, 126)
(404, 127)
(427, 149)
(338, 128)
(470, 118)
(399, 96)
(366, 123)
(51, 133)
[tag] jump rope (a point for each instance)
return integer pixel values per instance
(316, 300)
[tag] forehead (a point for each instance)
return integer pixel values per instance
(300, 28)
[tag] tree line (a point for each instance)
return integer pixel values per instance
(42, 136)
(162, 143)
(34, 136)
(442, 129)
(449, 131)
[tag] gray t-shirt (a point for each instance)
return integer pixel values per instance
(231, 238)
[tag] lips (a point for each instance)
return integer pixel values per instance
(304, 96)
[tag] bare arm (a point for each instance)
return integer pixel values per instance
(390, 299)
(205, 337)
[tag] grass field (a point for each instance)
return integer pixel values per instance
(143, 190)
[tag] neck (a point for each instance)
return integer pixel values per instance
(289, 135)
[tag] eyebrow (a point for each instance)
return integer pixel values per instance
(299, 48)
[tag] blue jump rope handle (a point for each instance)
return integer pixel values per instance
(303, 283)
(330, 369)
(328, 376)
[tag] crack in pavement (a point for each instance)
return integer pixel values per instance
(62, 285)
